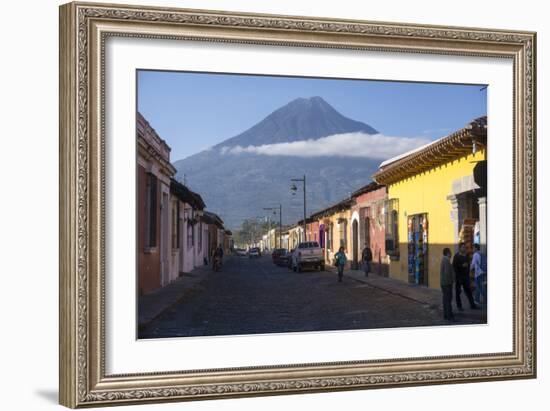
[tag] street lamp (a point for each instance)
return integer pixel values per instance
(280, 221)
(294, 189)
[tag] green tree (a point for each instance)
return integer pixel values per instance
(251, 231)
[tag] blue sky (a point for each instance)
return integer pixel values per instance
(193, 111)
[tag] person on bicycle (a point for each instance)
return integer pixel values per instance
(217, 258)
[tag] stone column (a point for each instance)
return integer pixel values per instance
(457, 215)
(482, 203)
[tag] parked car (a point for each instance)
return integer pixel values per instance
(279, 256)
(241, 252)
(308, 254)
(254, 252)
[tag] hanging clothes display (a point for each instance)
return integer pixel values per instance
(417, 230)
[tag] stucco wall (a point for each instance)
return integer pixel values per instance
(148, 259)
(377, 232)
(427, 193)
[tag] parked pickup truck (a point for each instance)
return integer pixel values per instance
(308, 254)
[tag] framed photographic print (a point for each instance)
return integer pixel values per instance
(259, 204)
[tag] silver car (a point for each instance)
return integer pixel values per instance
(308, 254)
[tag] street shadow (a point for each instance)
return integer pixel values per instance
(52, 396)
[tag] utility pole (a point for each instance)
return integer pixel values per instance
(269, 231)
(293, 188)
(280, 226)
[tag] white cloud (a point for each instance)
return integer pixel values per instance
(375, 146)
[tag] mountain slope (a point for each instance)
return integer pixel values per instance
(239, 186)
(301, 119)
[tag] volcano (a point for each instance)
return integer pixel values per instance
(239, 186)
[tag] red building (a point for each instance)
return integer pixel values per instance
(368, 226)
(312, 230)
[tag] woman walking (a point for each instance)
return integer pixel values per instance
(340, 262)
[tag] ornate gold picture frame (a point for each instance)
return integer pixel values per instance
(84, 29)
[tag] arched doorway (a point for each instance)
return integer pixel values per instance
(355, 237)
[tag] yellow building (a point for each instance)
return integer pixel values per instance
(436, 199)
(273, 238)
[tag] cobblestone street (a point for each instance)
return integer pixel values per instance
(250, 296)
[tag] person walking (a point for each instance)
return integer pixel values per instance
(340, 262)
(217, 257)
(366, 256)
(447, 278)
(479, 267)
(461, 265)
(219, 253)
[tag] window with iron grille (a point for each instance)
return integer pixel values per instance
(364, 214)
(175, 221)
(190, 231)
(200, 236)
(392, 227)
(178, 227)
(343, 226)
(151, 211)
(329, 236)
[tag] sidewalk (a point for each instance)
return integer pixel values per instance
(152, 305)
(423, 295)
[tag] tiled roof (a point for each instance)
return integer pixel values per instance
(340, 206)
(372, 186)
(212, 218)
(186, 195)
(451, 147)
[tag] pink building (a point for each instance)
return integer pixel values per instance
(368, 226)
(312, 230)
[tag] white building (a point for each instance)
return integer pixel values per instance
(189, 240)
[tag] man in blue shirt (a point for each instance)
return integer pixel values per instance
(479, 267)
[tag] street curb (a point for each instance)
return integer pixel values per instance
(391, 292)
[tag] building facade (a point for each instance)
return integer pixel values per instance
(333, 224)
(295, 236)
(436, 199)
(154, 173)
(174, 234)
(368, 227)
(284, 239)
(213, 225)
(313, 231)
(228, 242)
(189, 245)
